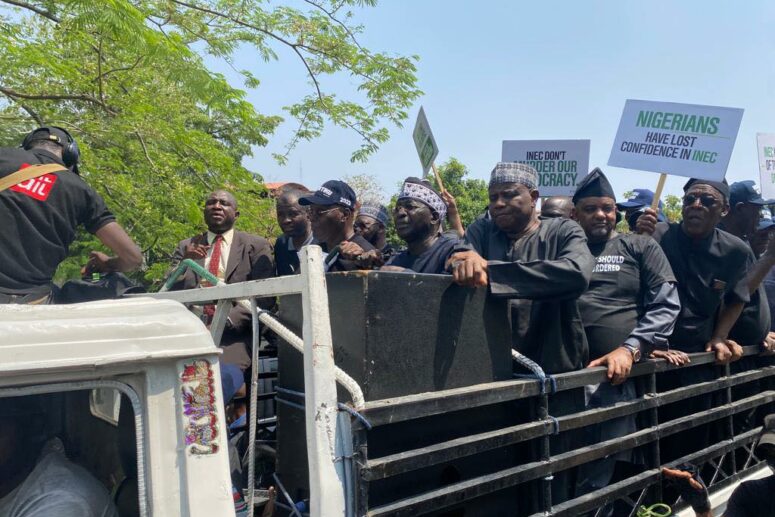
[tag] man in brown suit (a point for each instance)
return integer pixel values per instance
(233, 256)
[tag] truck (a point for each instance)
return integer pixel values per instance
(396, 394)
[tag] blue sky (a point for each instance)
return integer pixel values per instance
(539, 70)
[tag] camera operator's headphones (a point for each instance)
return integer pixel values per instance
(70, 152)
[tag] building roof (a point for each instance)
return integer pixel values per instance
(95, 334)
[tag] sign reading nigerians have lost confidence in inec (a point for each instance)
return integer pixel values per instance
(681, 139)
(561, 164)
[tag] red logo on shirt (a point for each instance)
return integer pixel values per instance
(38, 188)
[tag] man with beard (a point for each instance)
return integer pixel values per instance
(332, 212)
(297, 231)
(417, 218)
(628, 312)
(232, 256)
(371, 224)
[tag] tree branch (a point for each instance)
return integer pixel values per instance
(57, 97)
(33, 8)
(145, 149)
(272, 35)
(331, 15)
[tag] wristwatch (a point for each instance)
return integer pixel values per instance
(634, 350)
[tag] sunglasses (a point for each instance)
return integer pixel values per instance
(706, 201)
(317, 212)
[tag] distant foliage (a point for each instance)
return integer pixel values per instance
(157, 128)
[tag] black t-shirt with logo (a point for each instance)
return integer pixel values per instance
(40, 219)
(626, 268)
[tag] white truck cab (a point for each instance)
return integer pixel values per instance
(160, 448)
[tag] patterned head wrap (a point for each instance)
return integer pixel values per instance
(375, 211)
(426, 195)
(512, 172)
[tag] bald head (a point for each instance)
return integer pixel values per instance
(557, 206)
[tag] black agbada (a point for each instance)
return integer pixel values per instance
(627, 267)
(432, 261)
(544, 273)
(709, 271)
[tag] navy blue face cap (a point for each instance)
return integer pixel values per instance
(765, 220)
(746, 192)
(332, 192)
(643, 197)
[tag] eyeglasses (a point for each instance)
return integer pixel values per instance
(317, 212)
(706, 201)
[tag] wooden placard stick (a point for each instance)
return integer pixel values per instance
(438, 177)
(658, 193)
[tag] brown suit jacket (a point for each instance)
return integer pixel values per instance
(250, 258)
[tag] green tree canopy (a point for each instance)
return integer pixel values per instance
(156, 127)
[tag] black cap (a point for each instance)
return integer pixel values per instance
(51, 134)
(332, 192)
(721, 186)
(746, 192)
(594, 184)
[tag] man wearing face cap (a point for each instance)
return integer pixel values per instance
(417, 217)
(628, 311)
(543, 265)
(636, 206)
(332, 212)
(371, 224)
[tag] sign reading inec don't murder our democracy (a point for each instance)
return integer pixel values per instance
(561, 164)
(681, 139)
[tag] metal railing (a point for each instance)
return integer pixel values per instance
(324, 427)
(543, 426)
(343, 487)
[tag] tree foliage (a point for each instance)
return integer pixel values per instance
(470, 194)
(157, 128)
(366, 187)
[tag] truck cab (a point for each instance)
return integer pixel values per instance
(131, 388)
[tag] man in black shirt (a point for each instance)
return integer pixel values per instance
(297, 231)
(628, 312)
(417, 217)
(371, 224)
(332, 212)
(710, 266)
(542, 265)
(41, 216)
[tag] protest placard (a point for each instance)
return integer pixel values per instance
(424, 142)
(765, 144)
(561, 164)
(681, 139)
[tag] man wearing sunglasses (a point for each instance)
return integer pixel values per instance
(711, 267)
(332, 213)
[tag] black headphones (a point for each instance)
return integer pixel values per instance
(70, 152)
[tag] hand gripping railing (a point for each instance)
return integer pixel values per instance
(327, 475)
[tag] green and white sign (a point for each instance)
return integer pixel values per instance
(561, 164)
(765, 144)
(426, 146)
(681, 139)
